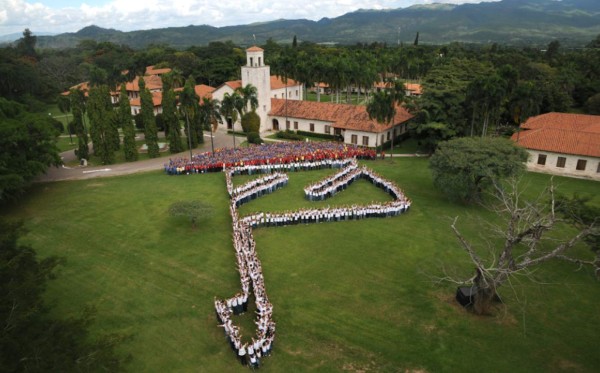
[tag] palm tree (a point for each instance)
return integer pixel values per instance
(382, 108)
(209, 112)
(229, 109)
(249, 95)
(487, 95)
(188, 101)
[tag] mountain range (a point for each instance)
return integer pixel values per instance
(511, 22)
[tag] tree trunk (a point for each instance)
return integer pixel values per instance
(485, 294)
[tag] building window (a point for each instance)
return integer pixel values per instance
(275, 96)
(327, 129)
(296, 93)
(287, 124)
(541, 159)
(354, 139)
(388, 136)
(295, 125)
(365, 140)
(598, 169)
(312, 127)
(581, 163)
(561, 162)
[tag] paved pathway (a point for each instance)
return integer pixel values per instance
(221, 140)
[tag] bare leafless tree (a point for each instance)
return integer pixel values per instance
(526, 241)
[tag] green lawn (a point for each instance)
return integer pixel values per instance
(348, 296)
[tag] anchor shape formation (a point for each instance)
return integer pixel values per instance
(249, 265)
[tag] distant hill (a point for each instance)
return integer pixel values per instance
(515, 22)
(9, 38)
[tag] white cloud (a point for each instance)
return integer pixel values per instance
(127, 15)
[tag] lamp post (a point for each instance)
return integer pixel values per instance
(212, 145)
(187, 121)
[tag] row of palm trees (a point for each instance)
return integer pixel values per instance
(343, 69)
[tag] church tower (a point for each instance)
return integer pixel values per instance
(259, 75)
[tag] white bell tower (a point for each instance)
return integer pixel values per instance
(259, 75)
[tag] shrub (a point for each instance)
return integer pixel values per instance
(251, 122)
(254, 138)
(318, 135)
(289, 135)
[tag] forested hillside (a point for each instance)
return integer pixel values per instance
(513, 22)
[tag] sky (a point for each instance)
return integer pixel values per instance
(58, 16)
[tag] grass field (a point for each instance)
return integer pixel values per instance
(348, 296)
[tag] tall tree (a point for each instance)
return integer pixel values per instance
(464, 167)
(125, 121)
(487, 95)
(169, 114)
(210, 114)
(525, 241)
(382, 108)
(147, 114)
(26, 45)
(188, 101)
(79, 110)
(249, 95)
(229, 109)
(103, 124)
(27, 148)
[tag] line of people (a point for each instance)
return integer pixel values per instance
(248, 264)
(256, 188)
(251, 276)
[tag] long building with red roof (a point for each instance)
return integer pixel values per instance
(281, 107)
(562, 144)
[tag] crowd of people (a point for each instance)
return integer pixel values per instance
(255, 188)
(292, 156)
(249, 266)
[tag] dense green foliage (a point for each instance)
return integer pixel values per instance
(147, 117)
(289, 135)
(251, 122)
(169, 115)
(78, 107)
(125, 121)
(103, 124)
(190, 112)
(27, 148)
(463, 168)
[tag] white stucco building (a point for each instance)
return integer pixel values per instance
(351, 122)
(562, 144)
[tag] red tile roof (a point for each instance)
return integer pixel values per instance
(150, 70)
(234, 84)
(153, 82)
(254, 48)
(576, 134)
(277, 82)
(344, 116)
(156, 100)
(415, 88)
(203, 90)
